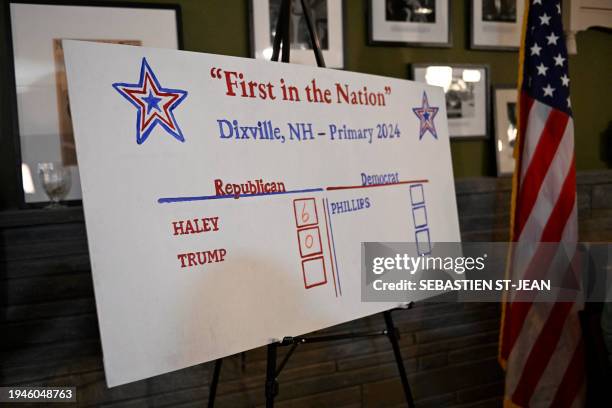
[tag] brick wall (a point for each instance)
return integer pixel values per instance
(50, 334)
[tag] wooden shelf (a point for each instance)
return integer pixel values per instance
(15, 218)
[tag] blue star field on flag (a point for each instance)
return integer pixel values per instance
(154, 104)
(426, 115)
(545, 70)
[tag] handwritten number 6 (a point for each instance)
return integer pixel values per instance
(305, 215)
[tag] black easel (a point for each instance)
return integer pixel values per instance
(281, 38)
(273, 371)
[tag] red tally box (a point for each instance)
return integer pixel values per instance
(314, 272)
(309, 240)
(305, 210)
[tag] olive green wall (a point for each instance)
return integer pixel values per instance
(222, 27)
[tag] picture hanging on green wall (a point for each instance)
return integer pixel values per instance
(496, 24)
(467, 96)
(410, 22)
(505, 128)
(327, 19)
(36, 30)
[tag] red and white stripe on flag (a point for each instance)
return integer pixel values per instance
(541, 343)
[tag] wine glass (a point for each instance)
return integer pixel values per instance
(56, 180)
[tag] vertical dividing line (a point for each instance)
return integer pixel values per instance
(331, 257)
(331, 228)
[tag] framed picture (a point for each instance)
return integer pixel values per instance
(327, 17)
(496, 24)
(467, 95)
(504, 109)
(410, 23)
(36, 30)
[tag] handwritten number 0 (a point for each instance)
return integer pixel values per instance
(309, 241)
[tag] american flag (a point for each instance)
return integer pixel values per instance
(541, 343)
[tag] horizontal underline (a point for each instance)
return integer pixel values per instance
(168, 200)
(376, 185)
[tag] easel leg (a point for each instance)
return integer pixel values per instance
(214, 382)
(392, 334)
(271, 383)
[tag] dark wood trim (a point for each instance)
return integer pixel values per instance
(20, 218)
(10, 164)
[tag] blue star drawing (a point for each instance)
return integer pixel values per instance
(154, 104)
(426, 115)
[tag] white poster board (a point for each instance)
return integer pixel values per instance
(184, 271)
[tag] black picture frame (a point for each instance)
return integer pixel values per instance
(487, 98)
(372, 42)
(252, 30)
(12, 195)
(494, 90)
(476, 47)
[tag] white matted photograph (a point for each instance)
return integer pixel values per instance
(410, 22)
(496, 24)
(467, 93)
(45, 125)
(327, 18)
(505, 110)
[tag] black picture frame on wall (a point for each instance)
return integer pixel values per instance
(330, 29)
(18, 115)
(388, 30)
(496, 30)
(505, 109)
(469, 110)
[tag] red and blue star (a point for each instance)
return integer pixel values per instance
(154, 104)
(426, 115)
